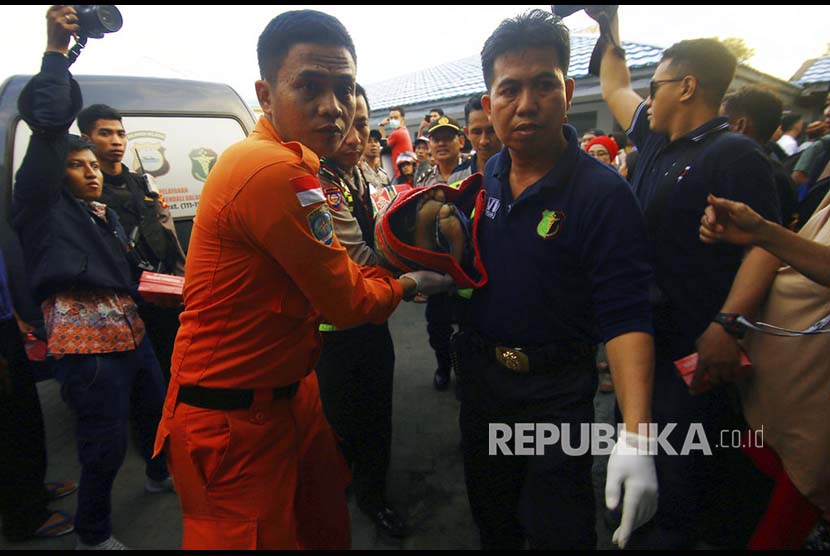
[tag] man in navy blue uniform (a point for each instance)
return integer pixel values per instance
(564, 244)
(687, 152)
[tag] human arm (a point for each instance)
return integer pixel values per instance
(346, 226)
(48, 104)
(268, 211)
(423, 127)
(631, 359)
(719, 352)
(616, 254)
(737, 223)
(799, 177)
(743, 173)
(615, 80)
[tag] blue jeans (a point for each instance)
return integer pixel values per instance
(102, 391)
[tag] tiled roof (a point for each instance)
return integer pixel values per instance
(464, 77)
(813, 71)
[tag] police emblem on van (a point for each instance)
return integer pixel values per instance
(202, 161)
(150, 148)
(551, 224)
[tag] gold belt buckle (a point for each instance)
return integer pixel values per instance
(513, 359)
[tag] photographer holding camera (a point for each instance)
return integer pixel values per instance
(144, 215)
(430, 117)
(75, 250)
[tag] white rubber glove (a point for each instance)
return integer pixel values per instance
(631, 464)
(429, 283)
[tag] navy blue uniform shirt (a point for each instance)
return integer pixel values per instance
(694, 277)
(6, 306)
(567, 260)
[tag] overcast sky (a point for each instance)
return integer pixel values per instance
(218, 43)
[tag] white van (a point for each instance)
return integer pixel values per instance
(176, 129)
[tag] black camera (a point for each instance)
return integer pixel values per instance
(597, 11)
(95, 21)
(565, 11)
(603, 15)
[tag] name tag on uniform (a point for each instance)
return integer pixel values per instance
(493, 205)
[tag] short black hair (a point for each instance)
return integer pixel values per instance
(78, 143)
(359, 91)
(439, 110)
(94, 112)
(709, 60)
(376, 135)
(532, 29)
(788, 121)
(759, 104)
(296, 27)
(620, 138)
(473, 104)
(596, 132)
(399, 110)
(631, 159)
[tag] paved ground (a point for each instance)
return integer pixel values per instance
(426, 481)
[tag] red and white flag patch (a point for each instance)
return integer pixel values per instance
(308, 190)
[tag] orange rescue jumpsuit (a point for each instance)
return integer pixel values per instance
(262, 270)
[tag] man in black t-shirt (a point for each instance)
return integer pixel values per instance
(687, 152)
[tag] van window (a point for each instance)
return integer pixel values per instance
(177, 151)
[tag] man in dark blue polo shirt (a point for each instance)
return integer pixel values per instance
(687, 152)
(564, 244)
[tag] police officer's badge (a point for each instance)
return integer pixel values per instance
(202, 161)
(551, 224)
(319, 221)
(333, 196)
(148, 151)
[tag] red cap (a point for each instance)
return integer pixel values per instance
(607, 142)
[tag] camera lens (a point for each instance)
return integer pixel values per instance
(95, 21)
(110, 18)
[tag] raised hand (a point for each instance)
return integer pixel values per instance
(61, 25)
(729, 221)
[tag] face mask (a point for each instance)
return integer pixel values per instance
(393, 124)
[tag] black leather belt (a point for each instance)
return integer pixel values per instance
(542, 359)
(228, 398)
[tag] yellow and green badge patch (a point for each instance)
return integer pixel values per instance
(550, 224)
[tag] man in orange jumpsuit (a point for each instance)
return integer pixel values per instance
(254, 461)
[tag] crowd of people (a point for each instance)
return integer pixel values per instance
(267, 391)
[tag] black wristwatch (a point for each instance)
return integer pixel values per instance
(730, 323)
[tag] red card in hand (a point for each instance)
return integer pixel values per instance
(686, 368)
(161, 288)
(35, 348)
